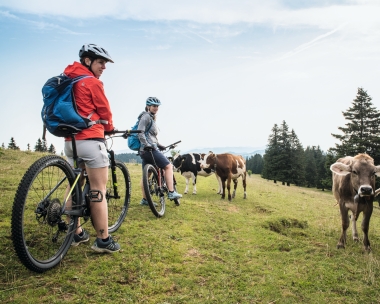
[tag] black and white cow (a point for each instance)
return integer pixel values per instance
(189, 167)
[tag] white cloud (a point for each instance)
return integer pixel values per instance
(309, 44)
(360, 16)
(41, 25)
(221, 11)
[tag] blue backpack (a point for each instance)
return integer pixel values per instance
(133, 139)
(59, 112)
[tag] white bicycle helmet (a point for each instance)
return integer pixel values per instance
(153, 101)
(94, 51)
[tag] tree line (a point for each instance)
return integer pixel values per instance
(40, 146)
(287, 161)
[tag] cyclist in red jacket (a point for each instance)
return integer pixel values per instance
(92, 102)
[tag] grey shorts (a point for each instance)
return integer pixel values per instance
(93, 153)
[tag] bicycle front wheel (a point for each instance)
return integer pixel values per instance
(41, 233)
(153, 192)
(118, 196)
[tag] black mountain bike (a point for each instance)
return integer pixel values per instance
(155, 187)
(43, 224)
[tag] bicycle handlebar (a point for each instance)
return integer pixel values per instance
(124, 133)
(172, 146)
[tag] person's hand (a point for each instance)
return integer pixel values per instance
(148, 148)
(161, 147)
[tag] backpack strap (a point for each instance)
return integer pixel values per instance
(92, 122)
(151, 123)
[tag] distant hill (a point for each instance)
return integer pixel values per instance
(243, 151)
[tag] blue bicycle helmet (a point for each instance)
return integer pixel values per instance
(153, 101)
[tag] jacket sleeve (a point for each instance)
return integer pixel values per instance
(102, 107)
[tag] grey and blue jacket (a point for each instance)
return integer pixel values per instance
(147, 139)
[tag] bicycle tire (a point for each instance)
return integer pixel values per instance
(41, 234)
(153, 192)
(118, 207)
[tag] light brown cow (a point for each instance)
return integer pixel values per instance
(228, 167)
(353, 188)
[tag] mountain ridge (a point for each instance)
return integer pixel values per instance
(243, 151)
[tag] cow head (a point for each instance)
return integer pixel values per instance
(362, 173)
(177, 161)
(207, 160)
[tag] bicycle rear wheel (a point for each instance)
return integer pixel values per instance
(118, 203)
(41, 234)
(153, 192)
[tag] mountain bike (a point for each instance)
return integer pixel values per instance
(155, 186)
(51, 198)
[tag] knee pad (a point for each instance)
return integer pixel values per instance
(95, 196)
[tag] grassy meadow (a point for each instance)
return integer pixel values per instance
(276, 246)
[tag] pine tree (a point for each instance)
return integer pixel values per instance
(361, 132)
(3, 146)
(331, 157)
(12, 145)
(271, 156)
(297, 160)
(310, 167)
(38, 147)
(44, 146)
(28, 145)
(52, 149)
(284, 157)
(255, 164)
(322, 173)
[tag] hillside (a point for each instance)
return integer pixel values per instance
(277, 246)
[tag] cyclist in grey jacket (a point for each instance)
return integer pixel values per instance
(150, 146)
(148, 125)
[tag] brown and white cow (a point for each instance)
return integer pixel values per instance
(353, 188)
(228, 167)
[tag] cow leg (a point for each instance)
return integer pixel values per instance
(223, 188)
(187, 186)
(229, 187)
(354, 218)
(220, 191)
(345, 225)
(194, 184)
(365, 225)
(235, 186)
(245, 185)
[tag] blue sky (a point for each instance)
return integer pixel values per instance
(226, 71)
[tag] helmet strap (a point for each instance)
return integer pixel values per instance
(83, 62)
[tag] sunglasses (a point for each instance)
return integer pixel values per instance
(156, 106)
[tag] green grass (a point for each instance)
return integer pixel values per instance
(277, 246)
